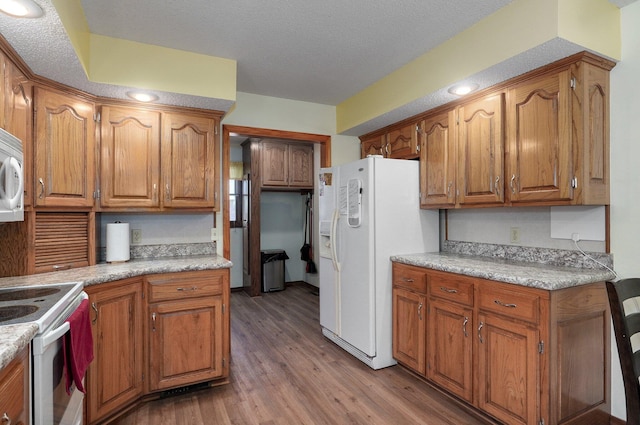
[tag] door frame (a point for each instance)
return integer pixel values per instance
(323, 141)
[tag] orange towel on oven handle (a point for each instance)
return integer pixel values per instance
(78, 346)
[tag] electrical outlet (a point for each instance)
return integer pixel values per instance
(214, 234)
(136, 236)
(514, 235)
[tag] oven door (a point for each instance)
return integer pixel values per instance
(51, 403)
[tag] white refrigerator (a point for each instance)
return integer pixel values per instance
(368, 211)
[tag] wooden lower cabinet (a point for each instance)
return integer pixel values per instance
(153, 333)
(518, 354)
(187, 328)
(14, 390)
(409, 328)
(115, 376)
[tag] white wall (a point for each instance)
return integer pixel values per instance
(625, 171)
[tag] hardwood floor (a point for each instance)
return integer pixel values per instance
(284, 371)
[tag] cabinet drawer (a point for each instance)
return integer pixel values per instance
(508, 301)
(410, 277)
(175, 286)
(451, 287)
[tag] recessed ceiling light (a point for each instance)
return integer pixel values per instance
(21, 8)
(142, 96)
(462, 89)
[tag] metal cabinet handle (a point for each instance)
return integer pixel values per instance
(41, 195)
(513, 189)
(193, 288)
(495, 185)
(57, 267)
(153, 321)
(449, 189)
(420, 311)
(167, 192)
(480, 332)
(500, 303)
(407, 279)
(464, 326)
(448, 290)
(95, 308)
(6, 420)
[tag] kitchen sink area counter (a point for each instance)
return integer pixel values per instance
(15, 337)
(535, 275)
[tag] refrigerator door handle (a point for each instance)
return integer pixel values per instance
(334, 241)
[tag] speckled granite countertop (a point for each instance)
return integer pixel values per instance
(537, 275)
(13, 338)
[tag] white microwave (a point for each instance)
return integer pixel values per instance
(11, 178)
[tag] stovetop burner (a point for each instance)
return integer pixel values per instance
(39, 304)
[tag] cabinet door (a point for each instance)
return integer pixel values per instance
(540, 164)
(275, 163)
(450, 333)
(115, 375)
(481, 151)
(18, 115)
(438, 161)
(508, 369)
(376, 145)
(129, 157)
(189, 161)
(409, 330)
(403, 142)
(185, 342)
(301, 165)
(14, 390)
(64, 150)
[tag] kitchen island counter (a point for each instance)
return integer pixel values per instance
(15, 337)
(535, 275)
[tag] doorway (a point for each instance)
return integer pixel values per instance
(323, 142)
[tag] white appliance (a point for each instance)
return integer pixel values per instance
(11, 178)
(369, 210)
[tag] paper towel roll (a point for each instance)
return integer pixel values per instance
(117, 242)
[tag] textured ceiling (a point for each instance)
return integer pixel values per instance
(316, 51)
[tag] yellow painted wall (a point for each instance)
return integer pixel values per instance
(512, 30)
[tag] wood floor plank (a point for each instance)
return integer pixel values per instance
(284, 371)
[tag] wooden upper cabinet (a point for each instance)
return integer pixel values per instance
(275, 164)
(17, 114)
(64, 153)
(541, 163)
(286, 165)
(480, 178)
(438, 161)
(300, 165)
(129, 157)
(188, 161)
(403, 142)
(373, 146)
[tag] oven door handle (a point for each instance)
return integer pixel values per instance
(54, 335)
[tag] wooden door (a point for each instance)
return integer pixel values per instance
(301, 165)
(115, 376)
(14, 390)
(540, 164)
(409, 329)
(130, 157)
(450, 336)
(480, 178)
(189, 161)
(64, 150)
(438, 161)
(18, 118)
(508, 373)
(185, 342)
(403, 142)
(376, 145)
(275, 163)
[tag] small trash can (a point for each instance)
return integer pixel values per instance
(273, 269)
